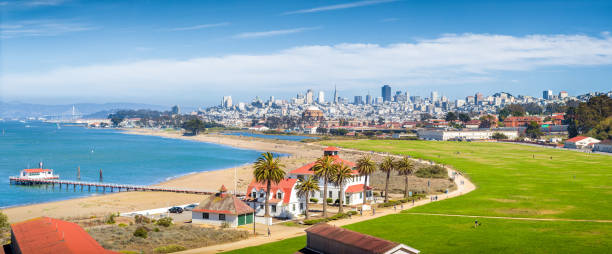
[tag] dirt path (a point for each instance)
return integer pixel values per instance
(511, 218)
(281, 232)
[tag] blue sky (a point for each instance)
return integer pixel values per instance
(194, 52)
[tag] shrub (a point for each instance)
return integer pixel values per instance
(435, 171)
(110, 219)
(141, 219)
(122, 225)
(337, 201)
(315, 221)
(129, 252)
(225, 224)
(352, 212)
(156, 229)
(4, 224)
(141, 232)
(329, 200)
(314, 200)
(169, 248)
(166, 222)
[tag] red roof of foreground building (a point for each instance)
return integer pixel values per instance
(307, 169)
(576, 139)
(53, 236)
(361, 241)
(331, 149)
(286, 186)
(356, 188)
(36, 170)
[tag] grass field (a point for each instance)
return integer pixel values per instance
(512, 181)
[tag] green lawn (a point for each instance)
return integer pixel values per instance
(510, 183)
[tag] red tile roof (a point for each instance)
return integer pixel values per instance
(331, 149)
(223, 203)
(576, 139)
(36, 170)
(53, 236)
(286, 186)
(307, 169)
(356, 188)
(365, 242)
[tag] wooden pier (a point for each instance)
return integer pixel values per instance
(107, 186)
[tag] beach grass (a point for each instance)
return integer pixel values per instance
(512, 181)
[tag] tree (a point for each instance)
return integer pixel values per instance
(486, 121)
(511, 110)
(499, 136)
(533, 130)
(587, 115)
(405, 167)
(464, 117)
(305, 187)
(324, 168)
(450, 116)
(268, 170)
(341, 175)
(194, 126)
(116, 120)
(603, 130)
(321, 130)
(533, 108)
(366, 168)
(387, 166)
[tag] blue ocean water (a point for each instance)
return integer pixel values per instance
(123, 158)
(281, 137)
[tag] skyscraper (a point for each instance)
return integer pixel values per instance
(309, 96)
(547, 94)
(335, 95)
(478, 98)
(368, 99)
(386, 93)
(358, 100)
(434, 96)
(227, 102)
(321, 98)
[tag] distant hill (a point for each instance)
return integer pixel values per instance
(88, 110)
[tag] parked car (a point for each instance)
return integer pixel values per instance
(175, 209)
(190, 207)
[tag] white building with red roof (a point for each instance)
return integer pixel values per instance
(283, 200)
(38, 173)
(222, 208)
(353, 190)
(580, 142)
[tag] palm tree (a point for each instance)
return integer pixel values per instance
(268, 169)
(405, 168)
(305, 187)
(366, 167)
(324, 168)
(387, 165)
(342, 174)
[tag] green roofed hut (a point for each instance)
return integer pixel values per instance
(222, 208)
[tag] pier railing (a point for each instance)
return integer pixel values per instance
(111, 186)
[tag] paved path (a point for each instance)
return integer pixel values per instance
(281, 232)
(512, 218)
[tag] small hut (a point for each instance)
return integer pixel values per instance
(222, 208)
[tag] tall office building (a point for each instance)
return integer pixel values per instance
(358, 100)
(434, 96)
(547, 94)
(368, 99)
(478, 98)
(563, 95)
(321, 98)
(335, 95)
(176, 110)
(227, 102)
(386, 93)
(309, 96)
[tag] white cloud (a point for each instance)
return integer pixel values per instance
(198, 27)
(36, 3)
(32, 28)
(273, 32)
(339, 6)
(449, 59)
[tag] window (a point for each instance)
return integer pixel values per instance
(331, 193)
(254, 195)
(360, 194)
(261, 195)
(261, 207)
(274, 208)
(301, 206)
(205, 216)
(293, 207)
(279, 195)
(221, 216)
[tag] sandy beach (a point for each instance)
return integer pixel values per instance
(100, 205)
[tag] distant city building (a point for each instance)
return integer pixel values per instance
(478, 98)
(309, 96)
(470, 100)
(335, 95)
(400, 97)
(227, 102)
(386, 93)
(547, 94)
(379, 100)
(368, 99)
(563, 95)
(434, 96)
(358, 100)
(459, 103)
(321, 98)
(176, 110)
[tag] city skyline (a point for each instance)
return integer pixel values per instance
(71, 51)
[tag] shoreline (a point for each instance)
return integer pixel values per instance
(98, 204)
